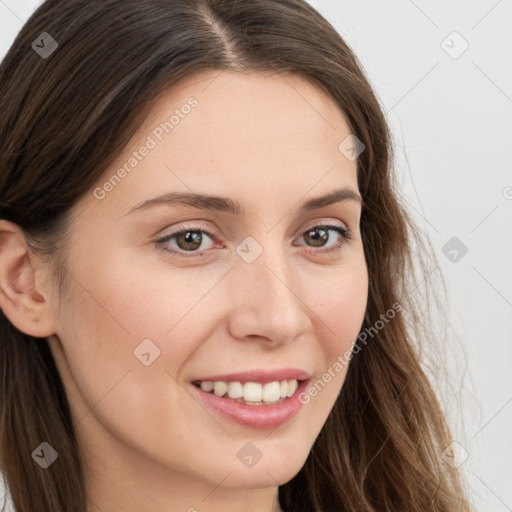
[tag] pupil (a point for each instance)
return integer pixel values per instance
(192, 237)
(321, 237)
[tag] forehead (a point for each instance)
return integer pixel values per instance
(258, 134)
(250, 108)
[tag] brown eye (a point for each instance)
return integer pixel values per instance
(189, 240)
(318, 236)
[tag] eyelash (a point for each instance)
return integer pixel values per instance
(343, 231)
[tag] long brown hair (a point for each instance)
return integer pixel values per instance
(66, 117)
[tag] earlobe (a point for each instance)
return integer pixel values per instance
(21, 300)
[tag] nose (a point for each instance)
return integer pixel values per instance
(267, 300)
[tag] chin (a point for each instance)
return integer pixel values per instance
(262, 475)
(273, 463)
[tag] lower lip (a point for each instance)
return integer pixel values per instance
(254, 416)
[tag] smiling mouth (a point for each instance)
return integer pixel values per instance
(251, 393)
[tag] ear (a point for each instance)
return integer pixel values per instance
(22, 298)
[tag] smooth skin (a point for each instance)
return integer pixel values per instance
(269, 141)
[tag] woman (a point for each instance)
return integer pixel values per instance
(204, 265)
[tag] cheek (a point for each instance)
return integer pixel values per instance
(342, 307)
(156, 299)
(114, 306)
(119, 295)
(109, 313)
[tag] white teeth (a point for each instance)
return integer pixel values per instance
(283, 389)
(292, 387)
(220, 388)
(252, 393)
(206, 385)
(271, 392)
(235, 390)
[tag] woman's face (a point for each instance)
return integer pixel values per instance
(254, 290)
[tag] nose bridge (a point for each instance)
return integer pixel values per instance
(266, 302)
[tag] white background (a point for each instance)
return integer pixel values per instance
(452, 123)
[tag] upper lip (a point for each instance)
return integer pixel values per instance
(260, 376)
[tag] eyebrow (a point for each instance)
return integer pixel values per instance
(227, 205)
